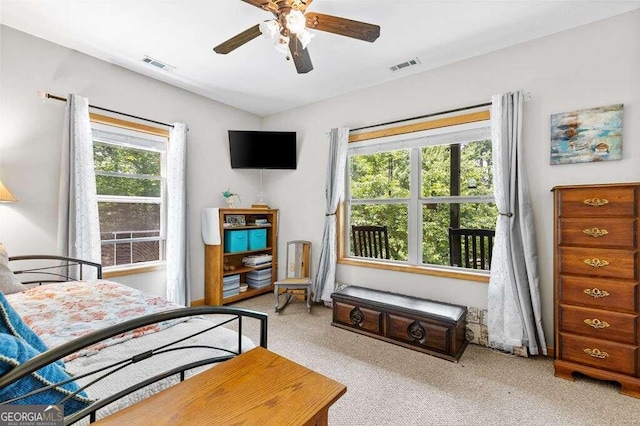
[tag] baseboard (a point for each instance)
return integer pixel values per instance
(199, 302)
(551, 351)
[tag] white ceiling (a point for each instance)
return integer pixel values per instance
(255, 77)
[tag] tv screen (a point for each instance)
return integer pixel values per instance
(262, 150)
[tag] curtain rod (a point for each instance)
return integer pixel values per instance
(422, 116)
(60, 98)
(526, 96)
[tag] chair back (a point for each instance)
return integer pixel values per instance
(298, 259)
(471, 248)
(370, 241)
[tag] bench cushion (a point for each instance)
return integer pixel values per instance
(410, 304)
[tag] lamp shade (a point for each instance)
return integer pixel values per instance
(5, 194)
(295, 21)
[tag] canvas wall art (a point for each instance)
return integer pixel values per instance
(587, 135)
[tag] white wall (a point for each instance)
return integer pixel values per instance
(31, 131)
(591, 66)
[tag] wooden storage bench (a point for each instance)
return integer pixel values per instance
(428, 326)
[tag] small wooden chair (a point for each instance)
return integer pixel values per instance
(471, 248)
(370, 241)
(298, 274)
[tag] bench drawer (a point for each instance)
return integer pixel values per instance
(419, 333)
(358, 317)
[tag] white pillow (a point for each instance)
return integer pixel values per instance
(8, 282)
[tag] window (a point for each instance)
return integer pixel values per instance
(419, 185)
(130, 181)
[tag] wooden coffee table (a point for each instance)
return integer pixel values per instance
(257, 387)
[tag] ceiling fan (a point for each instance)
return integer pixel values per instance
(290, 33)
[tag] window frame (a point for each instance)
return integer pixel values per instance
(415, 203)
(141, 267)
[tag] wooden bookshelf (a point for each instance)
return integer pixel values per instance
(215, 258)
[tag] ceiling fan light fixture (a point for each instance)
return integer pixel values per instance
(295, 21)
(282, 45)
(270, 29)
(305, 37)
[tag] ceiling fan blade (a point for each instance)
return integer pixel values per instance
(342, 26)
(237, 41)
(300, 56)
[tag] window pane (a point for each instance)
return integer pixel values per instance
(394, 217)
(439, 217)
(476, 169)
(457, 169)
(380, 175)
(118, 220)
(436, 171)
(115, 185)
(113, 158)
(130, 252)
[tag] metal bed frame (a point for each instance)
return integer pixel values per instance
(237, 315)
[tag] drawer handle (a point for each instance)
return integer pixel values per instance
(596, 323)
(595, 232)
(356, 316)
(596, 353)
(596, 202)
(596, 263)
(596, 292)
(417, 332)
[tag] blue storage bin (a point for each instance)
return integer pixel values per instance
(236, 241)
(257, 239)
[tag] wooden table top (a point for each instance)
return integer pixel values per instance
(257, 387)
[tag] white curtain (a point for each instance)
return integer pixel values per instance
(325, 279)
(177, 245)
(514, 315)
(78, 221)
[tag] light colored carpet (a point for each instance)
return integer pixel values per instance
(391, 385)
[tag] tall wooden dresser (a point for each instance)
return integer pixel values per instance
(597, 301)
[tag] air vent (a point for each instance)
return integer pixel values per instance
(409, 63)
(158, 64)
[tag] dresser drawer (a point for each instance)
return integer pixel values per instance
(610, 356)
(358, 317)
(603, 293)
(420, 333)
(597, 201)
(599, 324)
(598, 262)
(598, 232)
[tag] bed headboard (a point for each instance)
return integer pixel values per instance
(45, 269)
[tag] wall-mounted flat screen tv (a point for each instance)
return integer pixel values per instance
(262, 150)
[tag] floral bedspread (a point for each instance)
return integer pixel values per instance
(61, 312)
